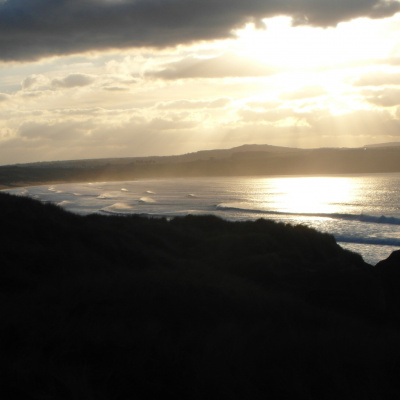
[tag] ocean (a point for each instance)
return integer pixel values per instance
(361, 211)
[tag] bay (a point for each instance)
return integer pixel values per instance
(361, 211)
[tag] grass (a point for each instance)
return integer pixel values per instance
(104, 307)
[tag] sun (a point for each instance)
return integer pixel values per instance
(304, 47)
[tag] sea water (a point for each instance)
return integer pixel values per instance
(361, 211)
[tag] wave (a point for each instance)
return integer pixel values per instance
(149, 192)
(191, 196)
(106, 195)
(118, 209)
(146, 200)
(369, 241)
(348, 217)
(64, 203)
(17, 192)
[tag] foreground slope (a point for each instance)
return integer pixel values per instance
(103, 307)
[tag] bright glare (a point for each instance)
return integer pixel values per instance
(299, 47)
(312, 195)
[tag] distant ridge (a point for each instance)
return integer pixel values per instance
(217, 154)
(245, 160)
(202, 155)
(388, 144)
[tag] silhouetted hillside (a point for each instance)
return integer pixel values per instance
(104, 307)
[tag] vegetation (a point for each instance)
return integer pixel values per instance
(104, 307)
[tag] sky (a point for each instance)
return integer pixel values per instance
(86, 79)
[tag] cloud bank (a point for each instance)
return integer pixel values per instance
(227, 65)
(30, 30)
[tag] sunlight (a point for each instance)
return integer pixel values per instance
(303, 47)
(312, 195)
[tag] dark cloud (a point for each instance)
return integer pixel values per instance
(227, 65)
(34, 29)
(72, 80)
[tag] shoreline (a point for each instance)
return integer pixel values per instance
(16, 185)
(359, 248)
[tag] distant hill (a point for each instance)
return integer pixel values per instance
(195, 156)
(389, 144)
(246, 160)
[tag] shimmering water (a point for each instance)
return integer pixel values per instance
(361, 211)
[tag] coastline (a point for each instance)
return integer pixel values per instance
(178, 189)
(17, 185)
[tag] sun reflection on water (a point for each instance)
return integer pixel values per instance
(312, 195)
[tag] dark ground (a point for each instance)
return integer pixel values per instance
(103, 307)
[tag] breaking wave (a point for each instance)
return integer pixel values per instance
(367, 240)
(146, 200)
(106, 195)
(118, 209)
(347, 217)
(64, 203)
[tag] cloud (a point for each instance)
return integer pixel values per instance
(387, 97)
(72, 80)
(378, 79)
(193, 104)
(34, 82)
(72, 134)
(115, 88)
(273, 115)
(303, 93)
(373, 123)
(320, 128)
(226, 65)
(321, 123)
(265, 105)
(4, 97)
(42, 140)
(161, 124)
(56, 132)
(34, 29)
